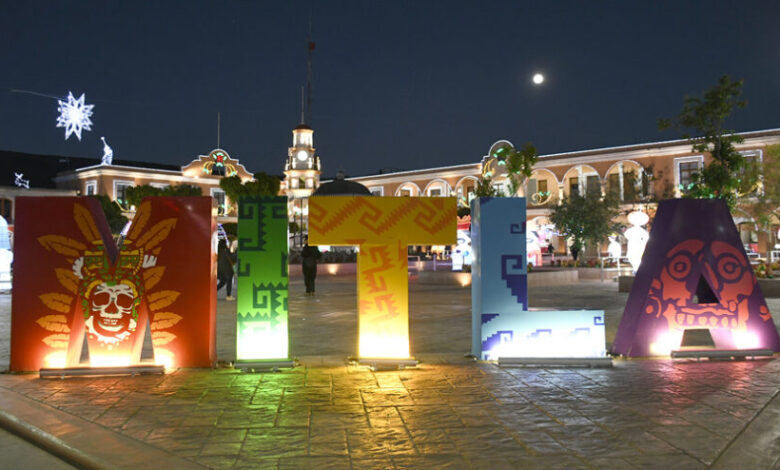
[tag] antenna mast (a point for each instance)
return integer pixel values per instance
(303, 107)
(310, 49)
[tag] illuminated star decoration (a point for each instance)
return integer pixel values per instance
(74, 115)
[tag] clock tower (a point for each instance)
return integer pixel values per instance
(301, 177)
(302, 170)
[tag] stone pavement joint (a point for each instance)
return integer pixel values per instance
(77, 441)
(758, 444)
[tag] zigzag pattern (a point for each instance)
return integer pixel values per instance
(375, 220)
(338, 218)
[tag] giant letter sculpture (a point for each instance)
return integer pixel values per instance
(70, 278)
(694, 275)
(262, 279)
(382, 228)
(502, 325)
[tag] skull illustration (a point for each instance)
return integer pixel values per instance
(112, 315)
(725, 270)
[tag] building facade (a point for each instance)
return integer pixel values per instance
(639, 175)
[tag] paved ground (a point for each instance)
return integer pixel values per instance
(448, 413)
(17, 453)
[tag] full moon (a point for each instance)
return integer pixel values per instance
(538, 78)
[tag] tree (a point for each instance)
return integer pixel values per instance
(706, 116)
(761, 199)
(136, 194)
(519, 164)
(262, 185)
(586, 219)
(485, 188)
(116, 221)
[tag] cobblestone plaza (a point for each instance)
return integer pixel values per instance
(447, 413)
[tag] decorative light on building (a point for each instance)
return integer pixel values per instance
(108, 153)
(20, 181)
(74, 115)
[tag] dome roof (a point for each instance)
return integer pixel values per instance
(342, 187)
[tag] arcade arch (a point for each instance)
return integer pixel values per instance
(437, 188)
(408, 189)
(627, 179)
(581, 179)
(541, 187)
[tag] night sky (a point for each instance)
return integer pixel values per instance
(398, 84)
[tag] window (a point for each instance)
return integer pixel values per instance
(120, 191)
(406, 193)
(686, 172)
(542, 185)
(6, 209)
(377, 190)
(90, 188)
(613, 183)
(574, 185)
(593, 185)
(219, 200)
(434, 192)
(532, 187)
(629, 191)
(470, 193)
(751, 173)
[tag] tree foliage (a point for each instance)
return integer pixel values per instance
(762, 198)
(485, 188)
(519, 164)
(586, 219)
(262, 185)
(136, 194)
(706, 117)
(116, 221)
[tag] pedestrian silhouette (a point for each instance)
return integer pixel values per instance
(309, 257)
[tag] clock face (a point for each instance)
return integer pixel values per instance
(302, 155)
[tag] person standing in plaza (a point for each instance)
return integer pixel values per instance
(309, 257)
(225, 269)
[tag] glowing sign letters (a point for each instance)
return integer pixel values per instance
(262, 278)
(382, 227)
(694, 274)
(502, 324)
(71, 279)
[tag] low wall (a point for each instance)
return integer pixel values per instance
(625, 283)
(769, 287)
(448, 278)
(326, 269)
(593, 274)
(552, 277)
